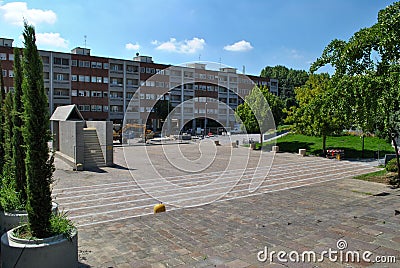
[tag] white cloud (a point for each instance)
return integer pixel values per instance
(295, 54)
(51, 40)
(131, 46)
(187, 46)
(16, 12)
(239, 46)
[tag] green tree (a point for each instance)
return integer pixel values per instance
(372, 56)
(318, 113)
(288, 80)
(8, 132)
(17, 141)
(39, 166)
(261, 111)
(2, 97)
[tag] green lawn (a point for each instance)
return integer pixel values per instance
(350, 144)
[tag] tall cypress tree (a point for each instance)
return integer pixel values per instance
(8, 132)
(2, 96)
(17, 141)
(36, 133)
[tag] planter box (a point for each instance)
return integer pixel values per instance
(12, 219)
(302, 152)
(56, 251)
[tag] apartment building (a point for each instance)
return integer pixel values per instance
(103, 88)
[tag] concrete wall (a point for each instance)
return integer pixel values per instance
(104, 131)
(71, 139)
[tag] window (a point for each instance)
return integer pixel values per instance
(142, 95)
(81, 64)
(116, 67)
(11, 73)
(150, 83)
(87, 79)
(141, 109)
(74, 77)
(114, 81)
(57, 61)
(98, 79)
(60, 92)
(84, 108)
(94, 79)
(60, 77)
(105, 108)
(94, 64)
(115, 109)
(81, 93)
(10, 89)
(3, 56)
(97, 108)
(105, 80)
(74, 93)
(96, 94)
(105, 94)
(65, 61)
(11, 56)
(99, 65)
(74, 62)
(142, 70)
(81, 78)
(86, 64)
(105, 65)
(45, 59)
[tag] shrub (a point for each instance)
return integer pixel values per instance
(9, 197)
(391, 166)
(60, 224)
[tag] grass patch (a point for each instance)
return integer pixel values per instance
(352, 145)
(377, 176)
(359, 192)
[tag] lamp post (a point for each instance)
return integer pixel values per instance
(205, 120)
(169, 119)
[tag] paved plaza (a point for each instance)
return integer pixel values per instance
(240, 202)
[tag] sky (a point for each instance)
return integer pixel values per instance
(237, 33)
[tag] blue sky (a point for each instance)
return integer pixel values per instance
(253, 33)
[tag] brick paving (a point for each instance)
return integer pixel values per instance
(303, 204)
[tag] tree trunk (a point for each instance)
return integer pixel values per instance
(362, 150)
(324, 145)
(261, 141)
(397, 159)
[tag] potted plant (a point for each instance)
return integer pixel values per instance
(12, 198)
(47, 240)
(13, 179)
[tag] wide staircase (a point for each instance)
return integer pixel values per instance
(93, 153)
